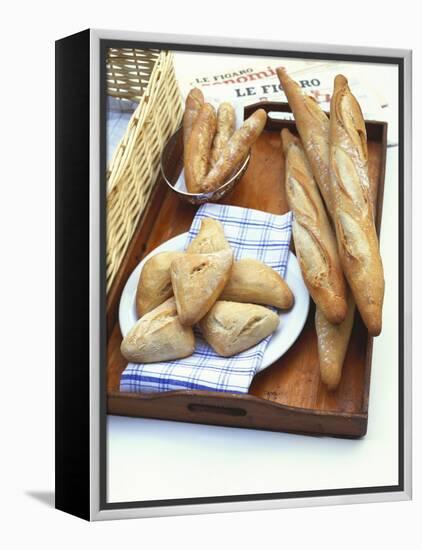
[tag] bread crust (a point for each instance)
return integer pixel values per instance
(313, 127)
(193, 104)
(158, 336)
(333, 341)
(235, 151)
(352, 199)
(314, 238)
(254, 282)
(154, 284)
(231, 328)
(198, 280)
(226, 123)
(198, 148)
(210, 238)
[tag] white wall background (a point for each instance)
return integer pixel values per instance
(26, 227)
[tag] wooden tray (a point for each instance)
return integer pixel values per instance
(288, 395)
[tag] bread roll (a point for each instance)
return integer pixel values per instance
(226, 123)
(158, 336)
(313, 127)
(154, 285)
(313, 236)
(198, 280)
(193, 104)
(210, 238)
(254, 282)
(250, 281)
(230, 328)
(354, 218)
(333, 341)
(235, 151)
(198, 148)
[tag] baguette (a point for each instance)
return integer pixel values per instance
(198, 148)
(313, 236)
(226, 121)
(313, 127)
(193, 105)
(235, 151)
(352, 200)
(333, 341)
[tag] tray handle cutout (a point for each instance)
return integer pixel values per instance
(215, 409)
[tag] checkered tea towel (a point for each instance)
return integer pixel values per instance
(251, 234)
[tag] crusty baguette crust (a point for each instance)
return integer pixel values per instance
(198, 148)
(313, 127)
(226, 123)
(235, 151)
(354, 217)
(333, 341)
(193, 104)
(231, 328)
(254, 282)
(313, 236)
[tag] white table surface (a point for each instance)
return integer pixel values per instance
(155, 459)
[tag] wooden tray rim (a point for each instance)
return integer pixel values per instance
(151, 396)
(221, 397)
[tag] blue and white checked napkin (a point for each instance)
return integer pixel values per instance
(251, 234)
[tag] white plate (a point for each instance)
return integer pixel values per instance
(291, 322)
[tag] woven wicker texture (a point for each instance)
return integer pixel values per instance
(129, 71)
(134, 167)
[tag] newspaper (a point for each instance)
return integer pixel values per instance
(246, 80)
(257, 81)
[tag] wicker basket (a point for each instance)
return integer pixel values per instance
(147, 76)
